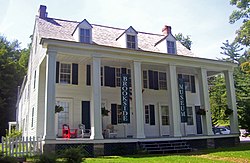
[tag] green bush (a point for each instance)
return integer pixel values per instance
(13, 134)
(74, 155)
(8, 159)
(46, 158)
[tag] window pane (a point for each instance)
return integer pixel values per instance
(190, 120)
(165, 115)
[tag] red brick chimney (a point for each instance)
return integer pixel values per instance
(42, 12)
(166, 30)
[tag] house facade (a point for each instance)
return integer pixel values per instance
(149, 85)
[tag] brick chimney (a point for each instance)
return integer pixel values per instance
(42, 12)
(166, 30)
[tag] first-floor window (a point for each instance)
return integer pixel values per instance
(146, 114)
(119, 113)
(190, 119)
(149, 114)
(164, 115)
(63, 116)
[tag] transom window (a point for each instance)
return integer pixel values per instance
(131, 42)
(85, 35)
(65, 72)
(164, 115)
(171, 47)
(190, 118)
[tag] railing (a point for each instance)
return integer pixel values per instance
(22, 146)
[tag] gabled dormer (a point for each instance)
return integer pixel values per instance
(83, 32)
(168, 42)
(128, 39)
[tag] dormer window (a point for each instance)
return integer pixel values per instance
(171, 47)
(85, 35)
(131, 41)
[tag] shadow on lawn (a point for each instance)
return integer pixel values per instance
(240, 147)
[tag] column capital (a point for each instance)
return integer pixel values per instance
(51, 52)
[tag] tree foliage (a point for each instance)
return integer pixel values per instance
(13, 66)
(185, 41)
(242, 13)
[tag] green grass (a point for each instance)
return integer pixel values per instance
(240, 153)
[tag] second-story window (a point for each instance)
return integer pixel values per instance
(171, 47)
(85, 35)
(131, 42)
(65, 72)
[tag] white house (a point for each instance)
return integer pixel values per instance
(83, 66)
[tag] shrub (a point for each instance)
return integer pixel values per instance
(74, 155)
(8, 159)
(46, 158)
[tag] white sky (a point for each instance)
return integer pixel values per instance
(205, 21)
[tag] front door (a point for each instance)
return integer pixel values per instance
(198, 121)
(164, 120)
(86, 114)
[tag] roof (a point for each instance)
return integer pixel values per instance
(102, 35)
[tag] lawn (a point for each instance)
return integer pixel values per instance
(239, 154)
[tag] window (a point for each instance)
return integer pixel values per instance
(146, 114)
(164, 115)
(32, 117)
(190, 119)
(119, 113)
(65, 72)
(34, 80)
(131, 42)
(149, 114)
(162, 80)
(118, 77)
(85, 35)
(129, 78)
(145, 79)
(63, 116)
(171, 47)
(189, 81)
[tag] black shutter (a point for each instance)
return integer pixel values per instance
(152, 114)
(88, 75)
(113, 114)
(198, 121)
(156, 85)
(57, 71)
(150, 79)
(124, 70)
(86, 114)
(192, 84)
(75, 73)
(109, 76)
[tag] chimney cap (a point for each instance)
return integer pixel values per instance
(167, 30)
(42, 11)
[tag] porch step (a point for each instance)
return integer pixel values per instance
(163, 147)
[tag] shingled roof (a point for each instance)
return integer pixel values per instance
(101, 35)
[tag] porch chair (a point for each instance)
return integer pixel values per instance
(66, 133)
(84, 132)
(110, 131)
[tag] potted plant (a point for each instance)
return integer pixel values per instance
(105, 112)
(58, 109)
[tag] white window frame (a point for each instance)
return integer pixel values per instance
(118, 76)
(145, 78)
(166, 116)
(147, 114)
(131, 44)
(190, 115)
(171, 47)
(85, 37)
(66, 113)
(65, 73)
(161, 82)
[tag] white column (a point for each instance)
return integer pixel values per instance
(95, 111)
(204, 98)
(137, 98)
(49, 118)
(174, 97)
(231, 102)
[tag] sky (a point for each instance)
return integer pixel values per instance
(206, 22)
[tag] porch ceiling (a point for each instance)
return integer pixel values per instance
(72, 58)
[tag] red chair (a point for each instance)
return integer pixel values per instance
(66, 133)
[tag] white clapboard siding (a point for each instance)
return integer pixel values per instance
(22, 146)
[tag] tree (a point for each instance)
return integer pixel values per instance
(243, 13)
(11, 75)
(185, 41)
(231, 51)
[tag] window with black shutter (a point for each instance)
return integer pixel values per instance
(193, 90)
(152, 114)
(109, 76)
